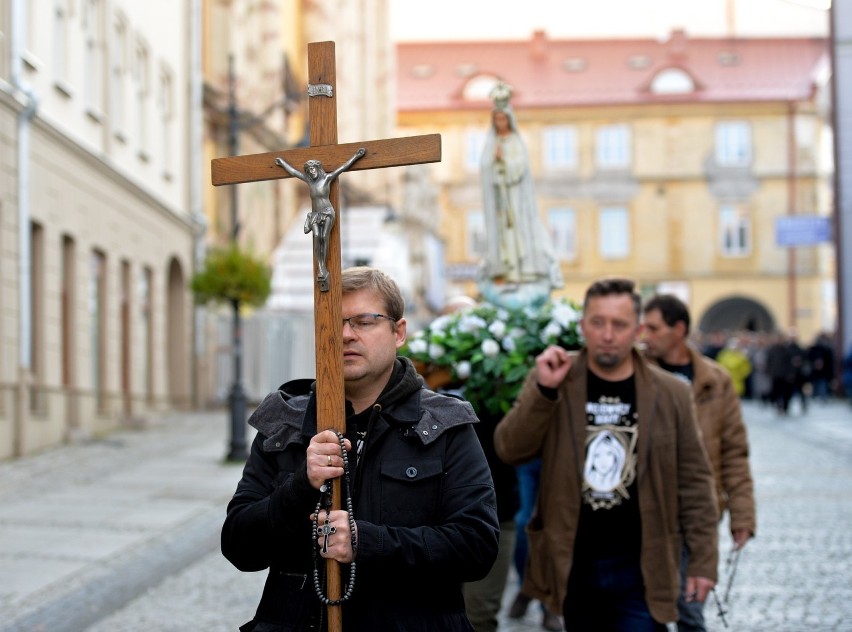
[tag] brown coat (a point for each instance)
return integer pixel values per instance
(725, 439)
(674, 481)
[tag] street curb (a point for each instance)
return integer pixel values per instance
(100, 592)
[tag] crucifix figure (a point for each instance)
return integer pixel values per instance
(325, 531)
(320, 220)
(328, 327)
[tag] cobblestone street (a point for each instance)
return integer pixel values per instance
(794, 576)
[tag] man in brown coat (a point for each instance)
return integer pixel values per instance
(666, 329)
(624, 476)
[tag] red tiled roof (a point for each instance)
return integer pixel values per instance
(608, 72)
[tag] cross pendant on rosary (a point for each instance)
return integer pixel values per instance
(325, 531)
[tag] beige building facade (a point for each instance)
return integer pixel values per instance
(668, 162)
(99, 217)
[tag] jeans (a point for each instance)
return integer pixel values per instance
(608, 595)
(528, 475)
(690, 614)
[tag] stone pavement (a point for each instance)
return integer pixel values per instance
(121, 534)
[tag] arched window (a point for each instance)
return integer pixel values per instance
(672, 81)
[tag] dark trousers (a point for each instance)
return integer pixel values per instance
(608, 596)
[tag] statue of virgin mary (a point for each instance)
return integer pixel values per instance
(519, 251)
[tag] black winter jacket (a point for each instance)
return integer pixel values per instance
(423, 501)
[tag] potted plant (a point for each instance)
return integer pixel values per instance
(231, 275)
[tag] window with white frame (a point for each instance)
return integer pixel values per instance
(142, 78)
(118, 56)
(734, 231)
(166, 106)
(94, 55)
(613, 146)
(562, 225)
(474, 143)
(559, 147)
(60, 42)
(733, 143)
(476, 247)
(614, 232)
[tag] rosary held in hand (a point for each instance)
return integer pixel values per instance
(325, 530)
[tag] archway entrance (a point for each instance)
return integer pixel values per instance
(737, 314)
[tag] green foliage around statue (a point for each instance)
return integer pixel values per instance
(230, 274)
(490, 349)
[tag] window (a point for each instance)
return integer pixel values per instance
(94, 56)
(613, 146)
(672, 81)
(119, 72)
(125, 332)
(97, 326)
(733, 144)
(559, 147)
(476, 247)
(562, 225)
(474, 143)
(734, 231)
(146, 330)
(614, 233)
(68, 296)
(60, 43)
(142, 79)
(166, 107)
(37, 280)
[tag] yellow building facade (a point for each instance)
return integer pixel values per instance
(667, 162)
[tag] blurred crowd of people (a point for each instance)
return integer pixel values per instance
(777, 369)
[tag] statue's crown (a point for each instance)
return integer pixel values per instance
(500, 94)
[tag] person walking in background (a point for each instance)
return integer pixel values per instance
(735, 361)
(483, 598)
(423, 517)
(821, 361)
(761, 378)
(784, 370)
(847, 374)
(667, 323)
(624, 476)
(528, 475)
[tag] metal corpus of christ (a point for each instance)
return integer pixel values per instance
(324, 150)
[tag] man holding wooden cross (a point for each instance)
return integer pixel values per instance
(420, 518)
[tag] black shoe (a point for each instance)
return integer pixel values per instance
(519, 606)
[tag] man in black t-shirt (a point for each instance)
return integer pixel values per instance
(624, 477)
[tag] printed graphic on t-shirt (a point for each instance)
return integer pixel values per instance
(611, 435)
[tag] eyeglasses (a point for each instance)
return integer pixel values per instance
(362, 323)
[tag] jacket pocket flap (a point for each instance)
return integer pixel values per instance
(410, 471)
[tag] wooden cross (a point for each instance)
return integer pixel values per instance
(392, 152)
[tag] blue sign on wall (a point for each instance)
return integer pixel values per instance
(802, 230)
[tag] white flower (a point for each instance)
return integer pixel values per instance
(439, 324)
(552, 330)
(471, 323)
(509, 344)
(564, 314)
(497, 329)
(463, 369)
(418, 345)
(516, 332)
(490, 348)
(436, 351)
